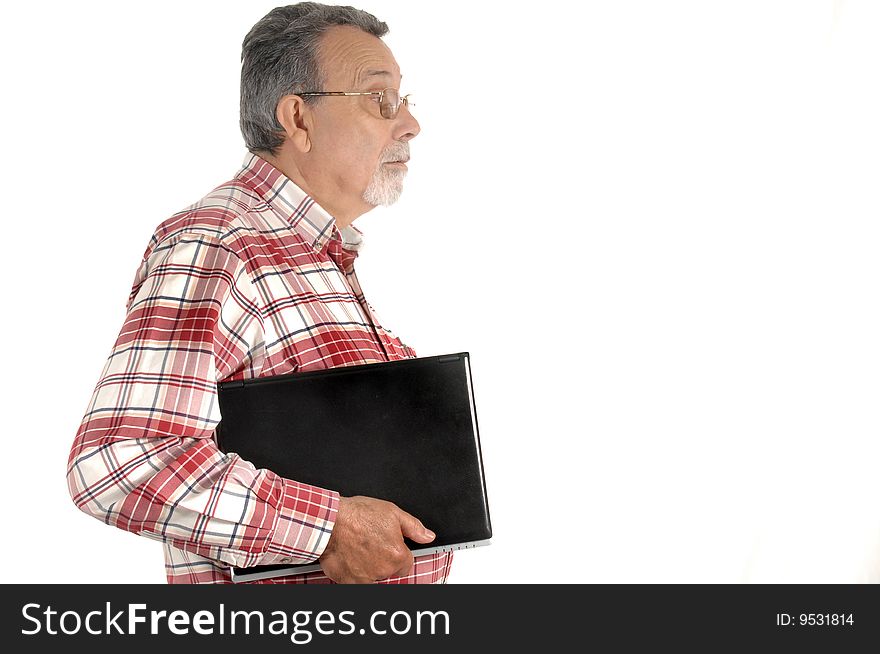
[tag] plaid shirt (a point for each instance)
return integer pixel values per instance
(253, 280)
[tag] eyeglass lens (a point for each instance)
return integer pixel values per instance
(390, 103)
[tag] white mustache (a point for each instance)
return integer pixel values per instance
(398, 151)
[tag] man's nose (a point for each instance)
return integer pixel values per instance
(408, 127)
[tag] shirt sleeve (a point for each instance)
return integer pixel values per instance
(144, 458)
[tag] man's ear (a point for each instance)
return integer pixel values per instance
(293, 116)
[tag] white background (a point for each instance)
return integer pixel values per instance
(652, 224)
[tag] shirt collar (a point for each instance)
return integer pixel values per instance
(309, 219)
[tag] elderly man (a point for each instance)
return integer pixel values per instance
(258, 279)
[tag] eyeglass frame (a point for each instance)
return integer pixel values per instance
(404, 99)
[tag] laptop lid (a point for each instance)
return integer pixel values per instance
(403, 431)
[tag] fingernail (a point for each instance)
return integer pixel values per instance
(429, 533)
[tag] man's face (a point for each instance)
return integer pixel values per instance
(359, 154)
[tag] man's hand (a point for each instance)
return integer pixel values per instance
(367, 541)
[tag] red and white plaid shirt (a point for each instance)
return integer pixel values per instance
(253, 280)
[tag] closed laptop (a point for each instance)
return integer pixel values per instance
(403, 431)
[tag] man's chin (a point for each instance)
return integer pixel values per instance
(383, 198)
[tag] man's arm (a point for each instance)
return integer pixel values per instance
(144, 459)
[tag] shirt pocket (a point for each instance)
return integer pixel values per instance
(316, 321)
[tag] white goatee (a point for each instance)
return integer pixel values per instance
(387, 183)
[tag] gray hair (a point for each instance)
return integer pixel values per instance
(279, 57)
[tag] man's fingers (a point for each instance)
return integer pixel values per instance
(367, 541)
(412, 528)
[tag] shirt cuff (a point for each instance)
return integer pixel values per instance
(306, 517)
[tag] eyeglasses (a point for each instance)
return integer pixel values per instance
(390, 100)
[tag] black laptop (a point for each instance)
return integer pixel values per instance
(403, 431)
